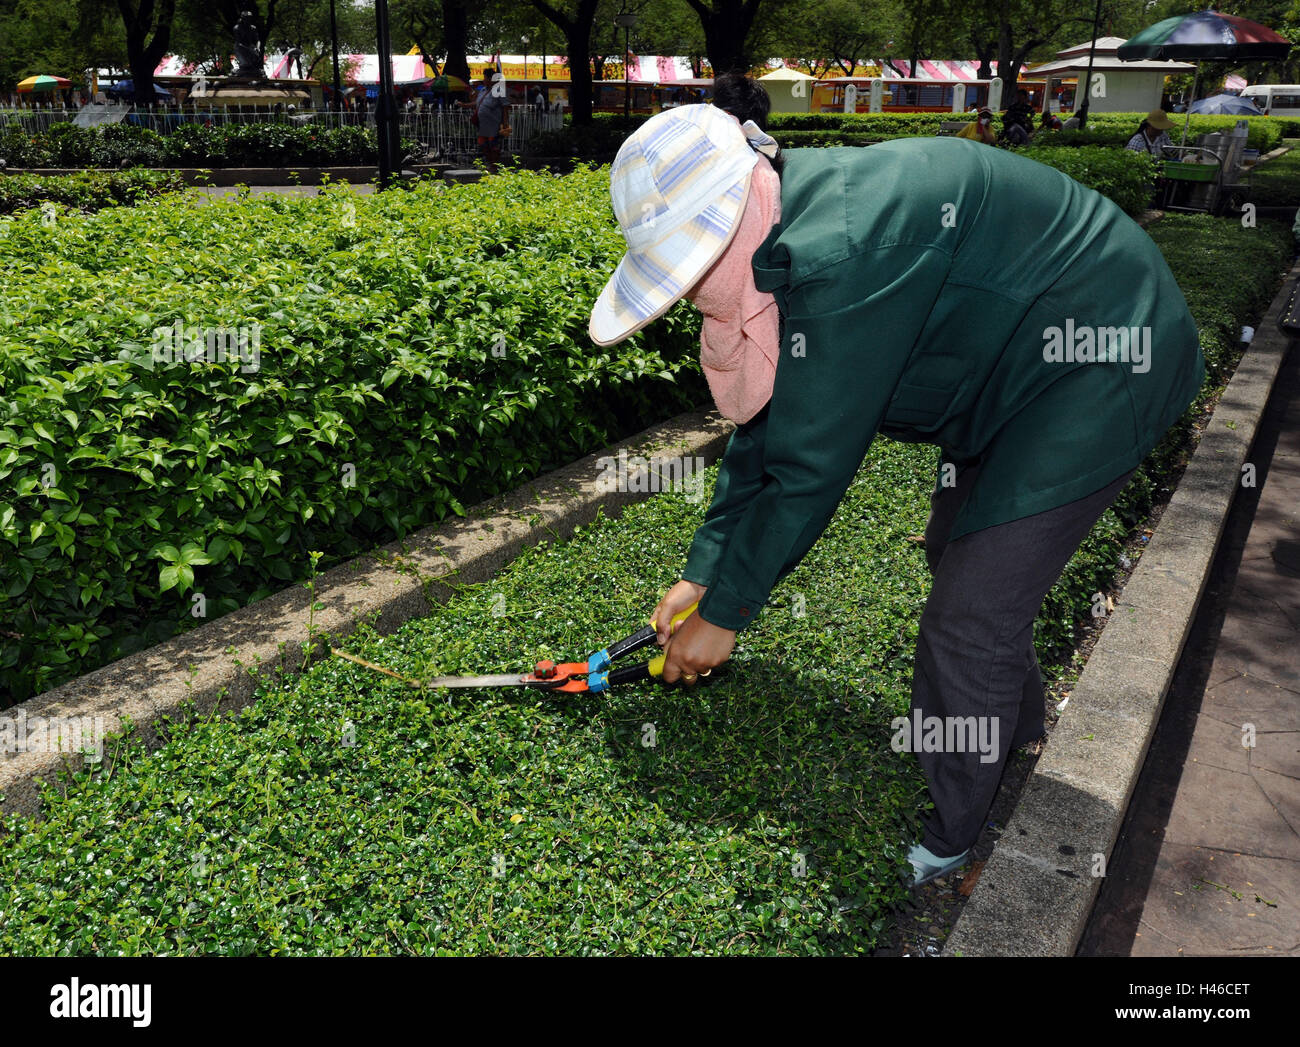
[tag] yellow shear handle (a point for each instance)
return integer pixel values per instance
(656, 664)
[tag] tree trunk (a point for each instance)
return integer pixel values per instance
(726, 26)
(455, 38)
(1008, 66)
(143, 54)
(577, 37)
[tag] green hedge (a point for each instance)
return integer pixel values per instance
(85, 190)
(1264, 132)
(865, 123)
(1277, 183)
(418, 352)
(804, 139)
(191, 145)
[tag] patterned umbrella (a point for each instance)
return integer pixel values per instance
(1203, 36)
(1225, 105)
(43, 83)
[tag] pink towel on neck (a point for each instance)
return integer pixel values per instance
(740, 336)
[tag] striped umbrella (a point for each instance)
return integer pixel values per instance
(1204, 36)
(43, 83)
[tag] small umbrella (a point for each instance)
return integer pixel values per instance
(1225, 105)
(43, 83)
(1203, 36)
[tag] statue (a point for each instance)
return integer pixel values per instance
(248, 49)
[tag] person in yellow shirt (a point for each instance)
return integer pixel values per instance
(981, 128)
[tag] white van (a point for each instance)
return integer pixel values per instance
(1275, 99)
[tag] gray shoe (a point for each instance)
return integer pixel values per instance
(927, 866)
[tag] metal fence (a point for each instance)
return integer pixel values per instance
(442, 133)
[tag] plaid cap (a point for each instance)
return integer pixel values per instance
(678, 186)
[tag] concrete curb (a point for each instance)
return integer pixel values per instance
(389, 586)
(1037, 889)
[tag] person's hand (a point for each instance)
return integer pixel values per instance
(676, 600)
(695, 649)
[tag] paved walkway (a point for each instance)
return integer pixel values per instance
(1208, 861)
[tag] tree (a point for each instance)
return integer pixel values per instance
(64, 37)
(841, 33)
(575, 23)
(148, 25)
(441, 29)
(727, 25)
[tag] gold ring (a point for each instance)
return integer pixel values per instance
(688, 677)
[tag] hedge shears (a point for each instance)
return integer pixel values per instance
(592, 676)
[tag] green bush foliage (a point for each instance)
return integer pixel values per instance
(435, 340)
(1276, 183)
(770, 816)
(865, 123)
(85, 190)
(191, 145)
(1115, 129)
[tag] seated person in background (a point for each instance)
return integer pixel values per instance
(1151, 135)
(981, 128)
(1051, 122)
(1018, 120)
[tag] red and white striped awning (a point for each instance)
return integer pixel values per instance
(1234, 83)
(933, 69)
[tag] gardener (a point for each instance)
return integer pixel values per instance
(925, 289)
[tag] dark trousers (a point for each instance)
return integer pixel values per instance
(975, 654)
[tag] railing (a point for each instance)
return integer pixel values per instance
(444, 133)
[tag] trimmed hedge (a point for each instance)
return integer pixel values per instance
(1277, 183)
(86, 190)
(865, 123)
(419, 351)
(191, 145)
(1115, 129)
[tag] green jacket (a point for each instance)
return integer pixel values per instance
(939, 291)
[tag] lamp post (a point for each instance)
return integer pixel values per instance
(334, 39)
(1087, 81)
(386, 111)
(626, 22)
(525, 42)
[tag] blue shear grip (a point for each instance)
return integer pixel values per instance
(597, 682)
(598, 661)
